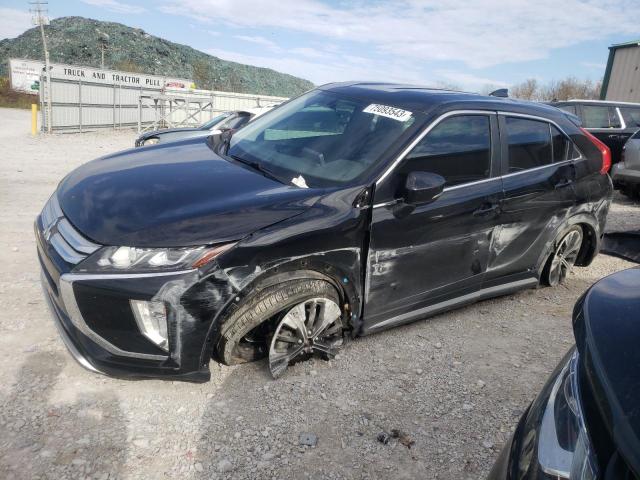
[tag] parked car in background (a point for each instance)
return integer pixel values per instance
(585, 423)
(611, 122)
(626, 173)
(351, 209)
(226, 121)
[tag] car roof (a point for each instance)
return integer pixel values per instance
(424, 99)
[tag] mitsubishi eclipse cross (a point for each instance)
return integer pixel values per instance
(353, 208)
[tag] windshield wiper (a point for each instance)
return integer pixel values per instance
(257, 166)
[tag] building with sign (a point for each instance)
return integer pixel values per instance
(622, 77)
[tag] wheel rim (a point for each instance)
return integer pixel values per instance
(313, 326)
(565, 257)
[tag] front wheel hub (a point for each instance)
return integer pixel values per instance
(313, 326)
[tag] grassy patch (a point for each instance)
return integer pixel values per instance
(12, 99)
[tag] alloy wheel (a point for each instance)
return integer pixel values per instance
(564, 257)
(312, 326)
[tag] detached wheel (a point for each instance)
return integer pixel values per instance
(563, 257)
(265, 322)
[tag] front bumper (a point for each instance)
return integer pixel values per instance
(95, 320)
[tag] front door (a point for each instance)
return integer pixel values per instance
(422, 255)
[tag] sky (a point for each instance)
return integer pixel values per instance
(470, 44)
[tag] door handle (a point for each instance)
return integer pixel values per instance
(565, 182)
(486, 209)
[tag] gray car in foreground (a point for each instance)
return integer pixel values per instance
(626, 173)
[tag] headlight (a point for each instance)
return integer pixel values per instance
(151, 141)
(564, 449)
(124, 259)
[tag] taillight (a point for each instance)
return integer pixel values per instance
(604, 150)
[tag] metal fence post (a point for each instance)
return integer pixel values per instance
(80, 104)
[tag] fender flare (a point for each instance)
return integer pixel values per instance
(590, 245)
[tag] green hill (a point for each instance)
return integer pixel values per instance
(75, 40)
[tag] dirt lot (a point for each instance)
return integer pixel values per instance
(456, 383)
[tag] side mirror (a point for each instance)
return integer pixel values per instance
(423, 187)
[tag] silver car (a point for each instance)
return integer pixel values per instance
(626, 173)
(222, 122)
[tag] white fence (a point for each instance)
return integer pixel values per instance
(84, 105)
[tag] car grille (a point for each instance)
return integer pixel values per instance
(62, 236)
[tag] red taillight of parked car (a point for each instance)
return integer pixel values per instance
(604, 150)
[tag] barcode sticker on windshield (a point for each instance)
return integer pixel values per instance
(389, 112)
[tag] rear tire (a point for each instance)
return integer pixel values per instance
(245, 333)
(566, 249)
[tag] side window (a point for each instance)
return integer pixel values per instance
(560, 145)
(614, 118)
(529, 143)
(631, 116)
(458, 148)
(600, 116)
(563, 148)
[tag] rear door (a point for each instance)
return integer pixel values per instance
(539, 188)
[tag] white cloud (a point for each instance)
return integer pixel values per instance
(265, 42)
(594, 65)
(116, 6)
(478, 33)
(14, 22)
(468, 81)
(333, 69)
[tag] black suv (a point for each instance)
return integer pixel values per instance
(350, 209)
(613, 123)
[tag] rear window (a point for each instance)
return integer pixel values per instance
(529, 144)
(600, 116)
(631, 116)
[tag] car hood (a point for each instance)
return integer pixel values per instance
(177, 194)
(607, 329)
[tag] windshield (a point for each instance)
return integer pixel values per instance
(211, 123)
(320, 139)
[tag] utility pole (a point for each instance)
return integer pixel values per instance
(103, 41)
(39, 12)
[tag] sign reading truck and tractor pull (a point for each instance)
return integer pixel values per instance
(25, 77)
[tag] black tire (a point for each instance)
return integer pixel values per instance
(550, 275)
(258, 315)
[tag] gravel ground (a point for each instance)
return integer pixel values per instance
(455, 384)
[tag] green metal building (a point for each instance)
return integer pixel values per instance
(622, 77)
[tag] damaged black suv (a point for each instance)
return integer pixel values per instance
(350, 209)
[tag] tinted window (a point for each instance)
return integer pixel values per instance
(458, 148)
(529, 143)
(631, 116)
(600, 116)
(560, 145)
